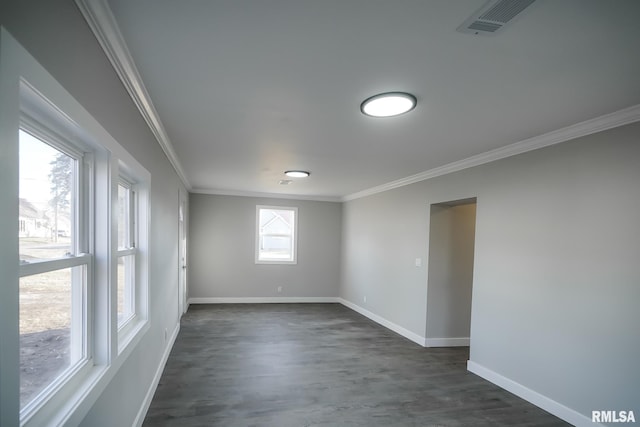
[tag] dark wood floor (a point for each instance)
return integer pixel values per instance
(293, 365)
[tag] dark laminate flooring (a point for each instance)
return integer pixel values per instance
(292, 365)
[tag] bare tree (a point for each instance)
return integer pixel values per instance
(60, 180)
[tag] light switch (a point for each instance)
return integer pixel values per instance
(418, 262)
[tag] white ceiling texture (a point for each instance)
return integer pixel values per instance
(245, 90)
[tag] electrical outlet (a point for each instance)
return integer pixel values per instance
(279, 289)
(365, 298)
(166, 334)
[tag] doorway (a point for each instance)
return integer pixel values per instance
(182, 254)
(449, 288)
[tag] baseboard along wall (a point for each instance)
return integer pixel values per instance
(142, 413)
(567, 414)
(420, 340)
(262, 300)
(559, 410)
(448, 342)
(412, 336)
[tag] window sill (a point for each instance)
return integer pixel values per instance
(68, 402)
(130, 335)
(276, 262)
(70, 407)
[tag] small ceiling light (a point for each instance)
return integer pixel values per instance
(297, 174)
(388, 104)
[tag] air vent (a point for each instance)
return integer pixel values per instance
(494, 16)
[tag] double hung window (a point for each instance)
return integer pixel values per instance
(55, 261)
(75, 260)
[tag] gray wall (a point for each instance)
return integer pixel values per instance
(556, 281)
(556, 278)
(222, 250)
(451, 247)
(56, 34)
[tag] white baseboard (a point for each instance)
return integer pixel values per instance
(559, 410)
(261, 300)
(567, 414)
(431, 342)
(384, 322)
(447, 342)
(142, 413)
(266, 300)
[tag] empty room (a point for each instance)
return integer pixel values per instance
(319, 213)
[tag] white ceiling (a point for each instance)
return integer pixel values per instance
(248, 89)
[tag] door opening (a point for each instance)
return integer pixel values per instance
(182, 256)
(449, 288)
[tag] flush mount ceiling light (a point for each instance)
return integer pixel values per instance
(388, 104)
(297, 174)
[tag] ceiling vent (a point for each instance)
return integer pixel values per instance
(494, 16)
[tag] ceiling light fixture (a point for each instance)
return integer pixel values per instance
(297, 174)
(388, 104)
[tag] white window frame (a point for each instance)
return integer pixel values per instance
(138, 179)
(129, 250)
(40, 122)
(28, 90)
(294, 238)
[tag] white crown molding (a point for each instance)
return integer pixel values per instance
(588, 127)
(265, 195)
(103, 24)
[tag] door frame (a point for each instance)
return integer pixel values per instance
(183, 304)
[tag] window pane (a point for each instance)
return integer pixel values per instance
(51, 328)
(126, 294)
(276, 247)
(46, 205)
(276, 221)
(124, 218)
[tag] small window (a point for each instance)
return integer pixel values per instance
(126, 279)
(276, 234)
